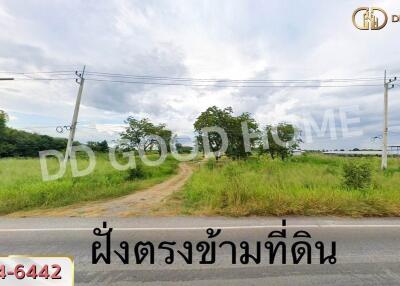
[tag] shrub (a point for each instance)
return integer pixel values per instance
(357, 175)
(137, 173)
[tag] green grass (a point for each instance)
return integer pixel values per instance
(305, 185)
(22, 187)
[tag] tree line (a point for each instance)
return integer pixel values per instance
(145, 134)
(278, 141)
(18, 143)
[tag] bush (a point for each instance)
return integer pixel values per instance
(137, 173)
(357, 175)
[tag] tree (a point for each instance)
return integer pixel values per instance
(213, 116)
(21, 143)
(232, 125)
(139, 130)
(5, 147)
(3, 122)
(182, 149)
(101, 146)
(282, 140)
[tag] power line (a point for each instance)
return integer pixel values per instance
(106, 74)
(202, 82)
(38, 72)
(49, 75)
(218, 85)
(43, 79)
(102, 74)
(240, 83)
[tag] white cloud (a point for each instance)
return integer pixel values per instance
(202, 39)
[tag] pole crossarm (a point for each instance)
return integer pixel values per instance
(390, 84)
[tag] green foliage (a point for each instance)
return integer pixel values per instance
(304, 185)
(181, 149)
(22, 188)
(3, 121)
(282, 141)
(141, 129)
(101, 146)
(357, 175)
(137, 173)
(232, 125)
(17, 143)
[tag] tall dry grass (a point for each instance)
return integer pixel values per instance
(306, 185)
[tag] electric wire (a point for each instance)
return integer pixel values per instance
(228, 80)
(200, 82)
(239, 86)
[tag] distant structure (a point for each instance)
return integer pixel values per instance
(354, 153)
(297, 152)
(393, 150)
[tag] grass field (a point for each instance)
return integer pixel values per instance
(22, 187)
(305, 185)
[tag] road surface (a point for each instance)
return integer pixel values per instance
(368, 250)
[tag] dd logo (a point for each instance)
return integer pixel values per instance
(365, 18)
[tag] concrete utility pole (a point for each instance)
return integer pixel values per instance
(80, 81)
(387, 86)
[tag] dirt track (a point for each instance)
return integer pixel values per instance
(139, 203)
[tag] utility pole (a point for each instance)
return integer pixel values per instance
(6, 78)
(80, 80)
(387, 85)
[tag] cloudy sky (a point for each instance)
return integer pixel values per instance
(197, 39)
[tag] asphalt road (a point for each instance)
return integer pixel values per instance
(368, 250)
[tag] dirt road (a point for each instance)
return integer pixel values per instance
(139, 203)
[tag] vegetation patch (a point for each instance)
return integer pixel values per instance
(357, 175)
(304, 185)
(22, 188)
